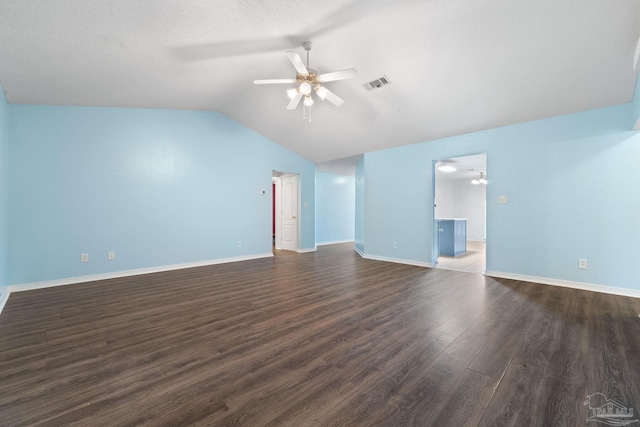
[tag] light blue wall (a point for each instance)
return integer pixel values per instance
(571, 184)
(360, 191)
(635, 116)
(4, 197)
(158, 187)
(335, 207)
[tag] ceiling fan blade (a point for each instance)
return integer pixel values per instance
(297, 62)
(294, 102)
(338, 75)
(273, 81)
(331, 97)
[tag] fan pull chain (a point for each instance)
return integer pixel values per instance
(304, 113)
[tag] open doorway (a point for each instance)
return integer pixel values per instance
(460, 213)
(285, 211)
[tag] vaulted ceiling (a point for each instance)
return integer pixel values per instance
(456, 66)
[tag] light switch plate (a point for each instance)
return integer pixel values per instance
(503, 199)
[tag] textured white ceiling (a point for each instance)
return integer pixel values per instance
(456, 66)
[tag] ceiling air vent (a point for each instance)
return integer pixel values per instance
(377, 83)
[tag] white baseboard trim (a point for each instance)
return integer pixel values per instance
(358, 251)
(635, 293)
(397, 260)
(4, 298)
(126, 273)
(334, 242)
(304, 251)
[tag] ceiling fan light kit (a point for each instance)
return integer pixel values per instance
(481, 180)
(310, 81)
(446, 166)
(305, 88)
(321, 91)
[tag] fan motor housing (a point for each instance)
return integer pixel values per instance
(312, 77)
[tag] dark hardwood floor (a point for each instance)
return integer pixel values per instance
(317, 339)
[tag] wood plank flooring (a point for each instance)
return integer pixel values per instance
(317, 339)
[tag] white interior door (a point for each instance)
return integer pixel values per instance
(290, 212)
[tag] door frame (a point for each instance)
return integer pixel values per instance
(278, 210)
(435, 238)
(277, 178)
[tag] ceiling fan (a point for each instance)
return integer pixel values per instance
(309, 81)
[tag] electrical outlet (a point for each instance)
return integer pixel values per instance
(84, 257)
(111, 255)
(239, 244)
(395, 245)
(503, 199)
(582, 263)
